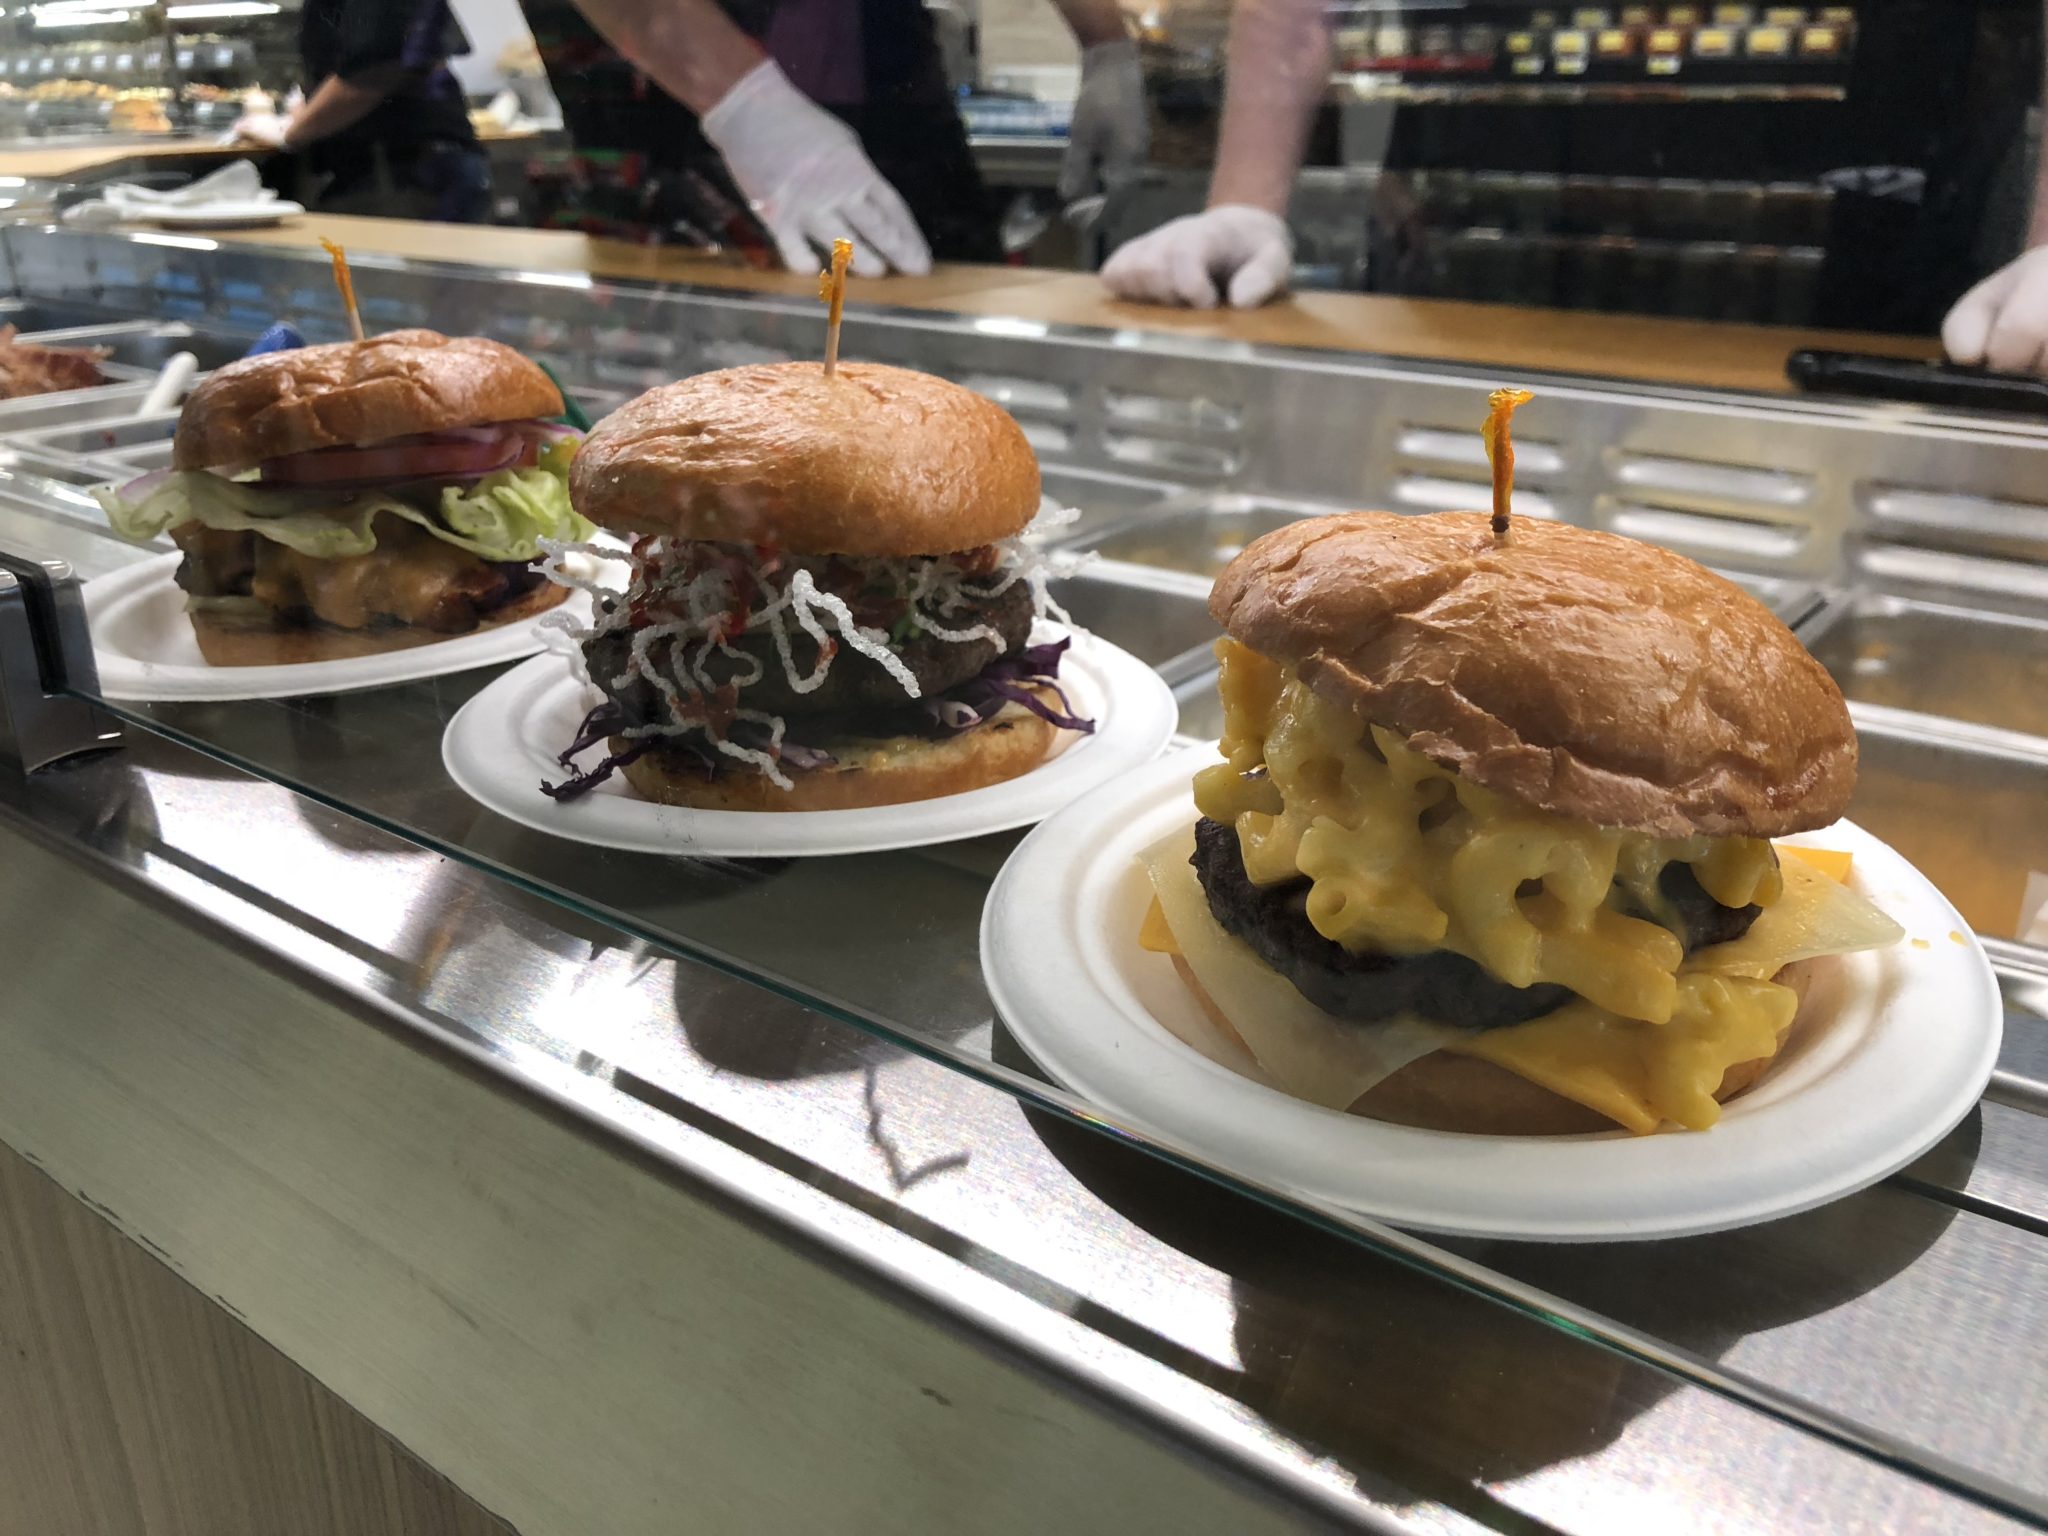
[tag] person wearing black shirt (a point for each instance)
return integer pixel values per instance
(384, 120)
(821, 117)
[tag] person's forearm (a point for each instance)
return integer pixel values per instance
(687, 47)
(1093, 21)
(1277, 70)
(337, 104)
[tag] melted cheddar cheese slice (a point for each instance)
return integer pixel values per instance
(1639, 1075)
(1729, 1011)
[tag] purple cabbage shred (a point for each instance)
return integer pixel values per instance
(608, 719)
(1011, 680)
(602, 722)
(797, 755)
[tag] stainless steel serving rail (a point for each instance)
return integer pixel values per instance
(1878, 1365)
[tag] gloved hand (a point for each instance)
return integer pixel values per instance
(1243, 252)
(2003, 321)
(264, 128)
(1110, 134)
(809, 180)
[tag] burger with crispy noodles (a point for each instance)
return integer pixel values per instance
(831, 601)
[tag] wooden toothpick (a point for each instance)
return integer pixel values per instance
(1500, 452)
(832, 289)
(347, 286)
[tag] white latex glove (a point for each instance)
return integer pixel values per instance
(2002, 323)
(1110, 134)
(1235, 250)
(809, 180)
(264, 128)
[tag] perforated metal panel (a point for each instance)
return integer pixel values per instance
(1758, 484)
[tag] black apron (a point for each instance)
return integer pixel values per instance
(1940, 90)
(1937, 99)
(644, 171)
(414, 154)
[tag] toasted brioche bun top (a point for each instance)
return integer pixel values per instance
(1584, 674)
(873, 461)
(355, 392)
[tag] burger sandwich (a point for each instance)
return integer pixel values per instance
(1490, 847)
(831, 599)
(365, 496)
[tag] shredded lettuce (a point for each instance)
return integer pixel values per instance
(503, 516)
(511, 510)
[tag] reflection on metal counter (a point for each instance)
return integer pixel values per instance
(1380, 1393)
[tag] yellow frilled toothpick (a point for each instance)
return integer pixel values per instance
(832, 291)
(346, 285)
(1500, 452)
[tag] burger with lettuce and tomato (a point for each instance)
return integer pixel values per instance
(359, 497)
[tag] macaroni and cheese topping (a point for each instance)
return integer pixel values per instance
(1639, 1075)
(1403, 857)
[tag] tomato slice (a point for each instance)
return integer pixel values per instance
(427, 457)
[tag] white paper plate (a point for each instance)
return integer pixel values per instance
(144, 647)
(504, 742)
(1901, 1045)
(236, 215)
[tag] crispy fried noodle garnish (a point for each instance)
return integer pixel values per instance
(687, 602)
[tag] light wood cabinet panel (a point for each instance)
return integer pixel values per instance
(131, 1405)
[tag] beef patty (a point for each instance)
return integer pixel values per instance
(855, 685)
(410, 578)
(1370, 985)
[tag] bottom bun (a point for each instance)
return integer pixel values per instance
(233, 637)
(1444, 1091)
(884, 772)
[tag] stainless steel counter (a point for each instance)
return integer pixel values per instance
(1876, 1365)
(1018, 160)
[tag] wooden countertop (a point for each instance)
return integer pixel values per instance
(72, 160)
(1682, 352)
(78, 159)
